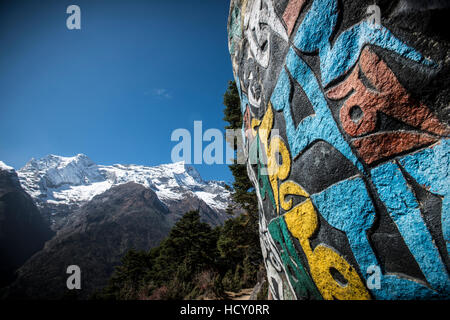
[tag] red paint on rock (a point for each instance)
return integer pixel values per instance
(390, 98)
(386, 144)
(291, 13)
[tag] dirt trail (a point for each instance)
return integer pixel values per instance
(244, 294)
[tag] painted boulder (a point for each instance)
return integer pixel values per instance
(346, 112)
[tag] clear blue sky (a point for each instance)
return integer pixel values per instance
(116, 89)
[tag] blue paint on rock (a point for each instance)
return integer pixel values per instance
(317, 27)
(347, 206)
(404, 209)
(319, 126)
(431, 168)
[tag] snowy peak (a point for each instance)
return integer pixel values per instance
(193, 173)
(8, 181)
(59, 162)
(55, 171)
(169, 181)
(56, 182)
(5, 167)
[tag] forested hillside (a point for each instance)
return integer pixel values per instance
(197, 261)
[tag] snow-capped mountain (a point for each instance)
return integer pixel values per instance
(5, 167)
(61, 184)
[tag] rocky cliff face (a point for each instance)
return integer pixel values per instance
(353, 186)
(95, 237)
(22, 229)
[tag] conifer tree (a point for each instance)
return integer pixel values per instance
(243, 192)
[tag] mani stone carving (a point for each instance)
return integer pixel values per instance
(346, 126)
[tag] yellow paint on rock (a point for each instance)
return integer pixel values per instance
(255, 123)
(302, 222)
(275, 170)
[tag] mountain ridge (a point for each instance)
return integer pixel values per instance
(100, 212)
(59, 185)
(95, 238)
(23, 232)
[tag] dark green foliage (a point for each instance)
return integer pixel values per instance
(230, 281)
(234, 245)
(239, 247)
(264, 292)
(191, 242)
(232, 102)
(171, 267)
(127, 278)
(196, 261)
(243, 191)
(246, 232)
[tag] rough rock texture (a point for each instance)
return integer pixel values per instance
(346, 125)
(95, 238)
(22, 229)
